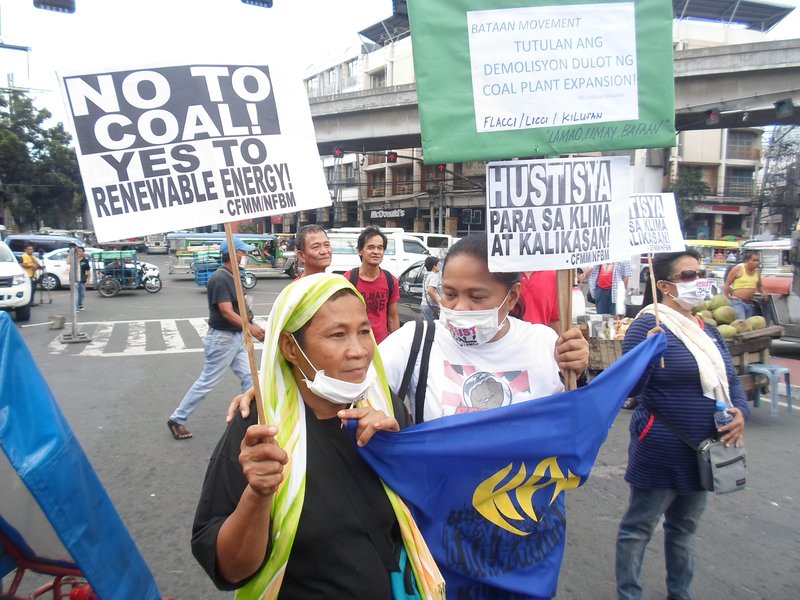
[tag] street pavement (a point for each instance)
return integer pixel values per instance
(118, 390)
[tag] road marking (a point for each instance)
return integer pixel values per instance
(136, 337)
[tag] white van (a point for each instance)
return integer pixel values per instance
(402, 250)
(15, 285)
(437, 243)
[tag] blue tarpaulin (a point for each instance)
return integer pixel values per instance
(41, 459)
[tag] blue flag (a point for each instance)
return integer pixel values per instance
(54, 510)
(485, 487)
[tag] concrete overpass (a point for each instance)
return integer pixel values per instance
(741, 81)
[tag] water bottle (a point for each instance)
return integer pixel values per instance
(721, 416)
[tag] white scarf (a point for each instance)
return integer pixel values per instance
(713, 376)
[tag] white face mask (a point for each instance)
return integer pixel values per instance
(472, 327)
(336, 390)
(690, 293)
(243, 261)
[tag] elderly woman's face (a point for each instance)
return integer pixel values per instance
(338, 340)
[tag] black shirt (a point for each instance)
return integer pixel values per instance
(83, 264)
(332, 555)
(221, 289)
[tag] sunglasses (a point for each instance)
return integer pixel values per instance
(688, 275)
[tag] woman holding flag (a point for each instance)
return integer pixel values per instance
(662, 470)
(482, 356)
(294, 509)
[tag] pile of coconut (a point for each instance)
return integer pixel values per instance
(719, 312)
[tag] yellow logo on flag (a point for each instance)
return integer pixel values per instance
(495, 503)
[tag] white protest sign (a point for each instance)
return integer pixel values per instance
(557, 214)
(545, 66)
(653, 224)
(174, 147)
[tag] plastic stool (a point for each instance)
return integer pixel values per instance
(773, 373)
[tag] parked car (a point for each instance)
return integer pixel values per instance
(41, 243)
(410, 281)
(15, 286)
(56, 266)
(437, 243)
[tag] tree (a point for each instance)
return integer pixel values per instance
(689, 189)
(39, 175)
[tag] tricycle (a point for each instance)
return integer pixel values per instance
(116, 270)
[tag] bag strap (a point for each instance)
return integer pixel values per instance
(412, 360)
(352, 275)
(422, 381)
(389, 283)
(361, 507)
(670, 426)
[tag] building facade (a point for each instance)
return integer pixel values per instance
(394, 188)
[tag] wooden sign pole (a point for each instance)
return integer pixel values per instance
(565, 280)
(248, 339)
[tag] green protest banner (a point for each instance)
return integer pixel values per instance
(521, 78)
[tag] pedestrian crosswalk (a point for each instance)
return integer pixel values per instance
(130, 338)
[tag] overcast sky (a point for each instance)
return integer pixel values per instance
(127, 33)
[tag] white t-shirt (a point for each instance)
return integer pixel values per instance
(519, 366)
(432, 279)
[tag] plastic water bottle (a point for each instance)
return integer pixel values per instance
(721, 416)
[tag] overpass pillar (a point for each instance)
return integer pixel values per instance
(451, 226)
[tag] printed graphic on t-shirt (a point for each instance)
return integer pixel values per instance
(469, 390)
(377, 301)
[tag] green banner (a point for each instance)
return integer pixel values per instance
(523, 78)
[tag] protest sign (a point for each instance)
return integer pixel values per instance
(653, 224)
(557, 214)
(174, 147)
(502, 78)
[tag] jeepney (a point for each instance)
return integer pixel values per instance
(266, 258)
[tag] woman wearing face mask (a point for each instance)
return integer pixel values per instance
(662, 469)
(293, 509)
(482, 357)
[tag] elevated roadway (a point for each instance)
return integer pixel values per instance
(741, 81)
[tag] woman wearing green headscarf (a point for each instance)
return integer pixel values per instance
(290, 507)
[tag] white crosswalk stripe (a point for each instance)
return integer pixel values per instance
(129, 338)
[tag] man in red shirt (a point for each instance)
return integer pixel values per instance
(379, 287)
(539, 295)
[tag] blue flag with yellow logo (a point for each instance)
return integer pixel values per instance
(485, 487)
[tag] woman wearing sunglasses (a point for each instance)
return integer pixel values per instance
(662, 470)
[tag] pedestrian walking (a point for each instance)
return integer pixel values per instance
(224, 342)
